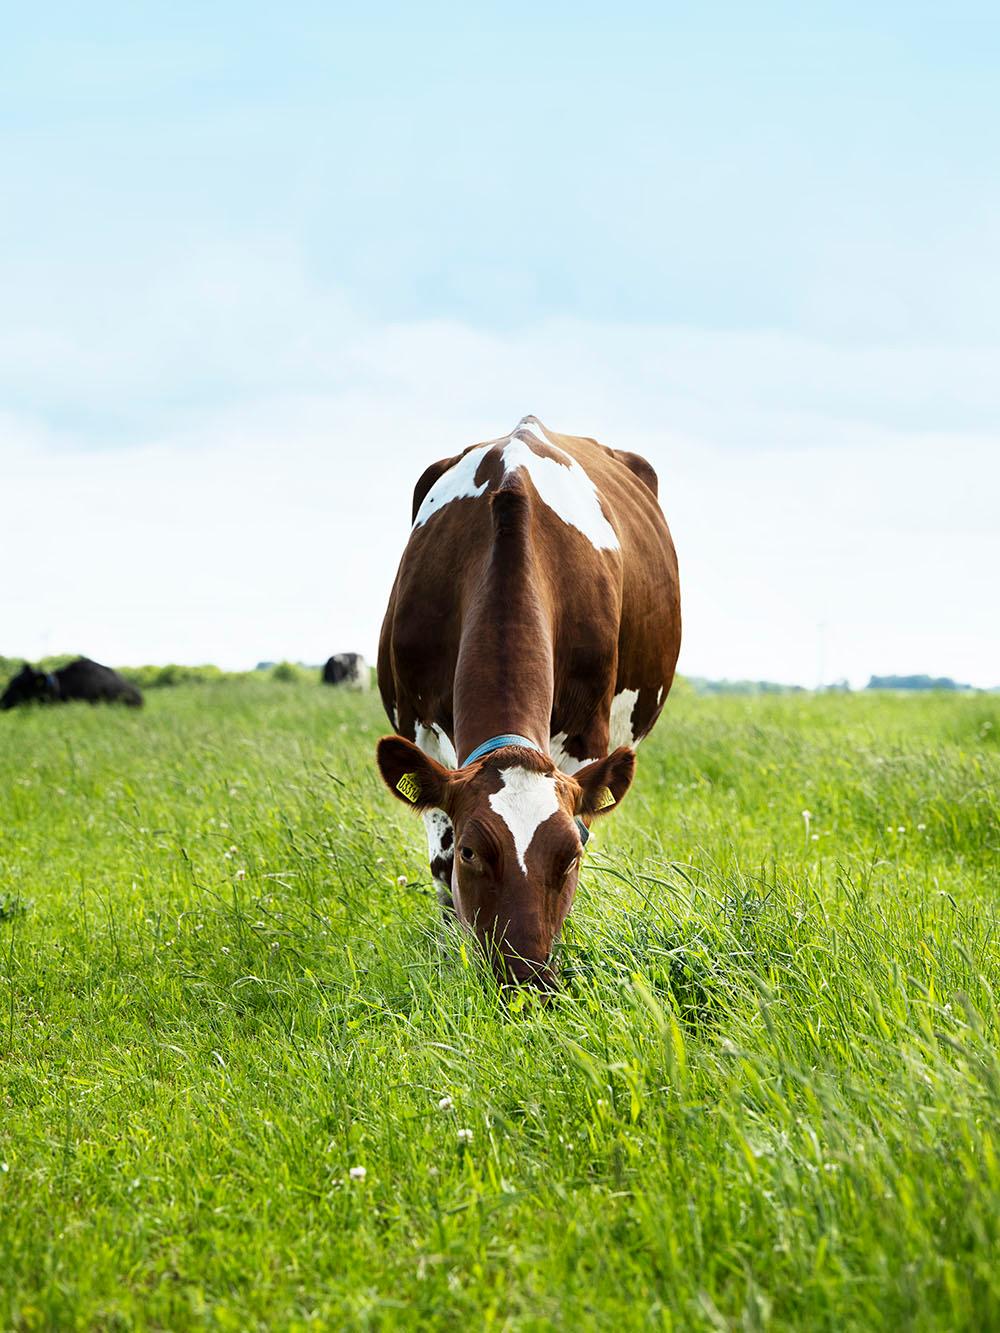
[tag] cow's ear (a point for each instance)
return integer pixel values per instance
(411, 775)
(604, 782)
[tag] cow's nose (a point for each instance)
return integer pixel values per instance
(527, 972)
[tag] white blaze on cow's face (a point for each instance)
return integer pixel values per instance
(524, 802)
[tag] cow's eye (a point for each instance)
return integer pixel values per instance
(467, 855)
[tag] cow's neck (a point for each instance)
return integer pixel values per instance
(504, 673)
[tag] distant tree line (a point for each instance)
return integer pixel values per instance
(914, 683)
(702, 685)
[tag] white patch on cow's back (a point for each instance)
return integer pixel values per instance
(620, 726)
(562, 758)
(525, 801)
(458, 483)
(564, 486)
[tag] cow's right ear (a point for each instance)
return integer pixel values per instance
(411, 775)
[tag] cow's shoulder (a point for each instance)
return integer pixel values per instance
(639, 467)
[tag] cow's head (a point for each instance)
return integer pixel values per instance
(517, 842)
(27, 685)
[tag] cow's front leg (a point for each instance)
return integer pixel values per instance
(441, 854)
(434, 741)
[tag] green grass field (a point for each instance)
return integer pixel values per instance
(769, 1096)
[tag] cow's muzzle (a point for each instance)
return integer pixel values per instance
(513, 970)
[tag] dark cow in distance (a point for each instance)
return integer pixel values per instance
(346, 669)
(529, 643)
(82, 679)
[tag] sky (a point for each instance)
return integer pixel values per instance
(260, 265)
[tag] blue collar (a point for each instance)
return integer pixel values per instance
(497, 743)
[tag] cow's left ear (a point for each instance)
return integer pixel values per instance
(604, 782)
(411, 775)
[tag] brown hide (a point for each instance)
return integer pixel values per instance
(530, 594)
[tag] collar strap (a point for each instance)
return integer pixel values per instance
(497, 743)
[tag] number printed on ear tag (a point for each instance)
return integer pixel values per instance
(409, 786)
(605, 799)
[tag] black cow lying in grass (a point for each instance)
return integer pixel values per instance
(82, 679)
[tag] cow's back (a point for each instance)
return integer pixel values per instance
(600, 555)
(92, 682)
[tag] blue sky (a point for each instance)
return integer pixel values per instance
(298, 253)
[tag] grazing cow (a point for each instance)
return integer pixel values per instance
(530, 641)
(347, 669)
(82, 679)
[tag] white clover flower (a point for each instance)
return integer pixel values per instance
(402, 881)
(815, 837)
(445, 1104)
(921, 827)
(357, 1173)
(224, 949)
(901, 829)
(241, 873)
(465, 1136)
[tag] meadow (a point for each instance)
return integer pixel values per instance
(247, 1082)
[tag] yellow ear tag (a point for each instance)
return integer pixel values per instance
(605, 799)
(409, 786)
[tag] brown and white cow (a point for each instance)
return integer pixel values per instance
(530, 641)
